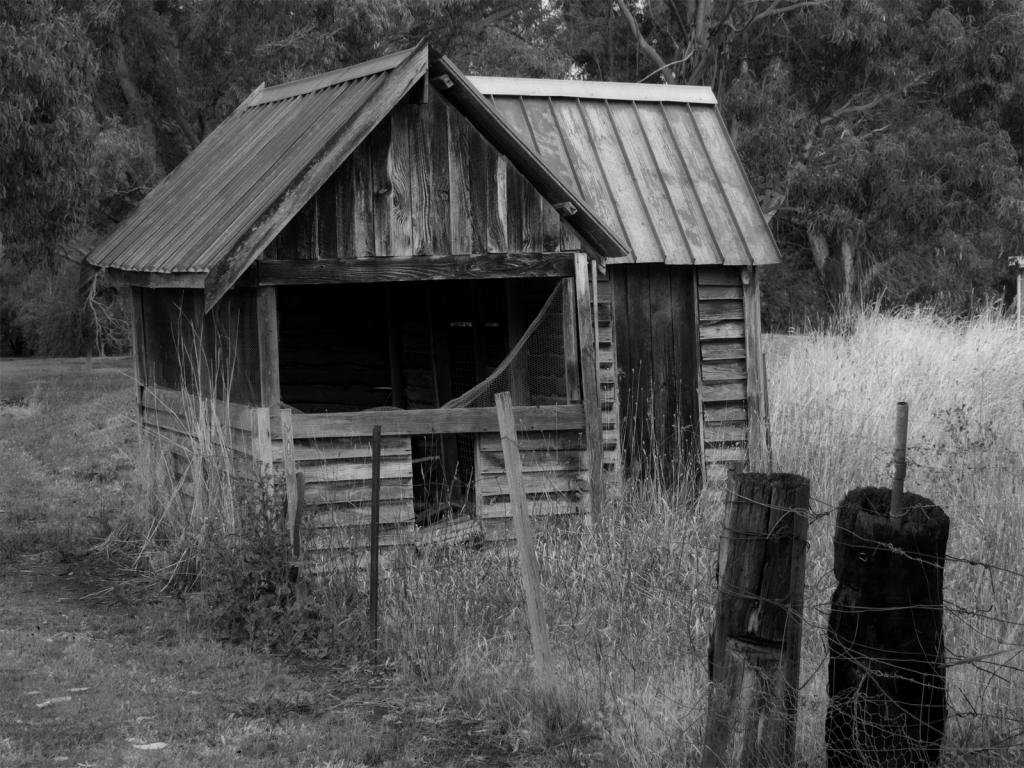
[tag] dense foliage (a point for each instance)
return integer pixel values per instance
(884, 137)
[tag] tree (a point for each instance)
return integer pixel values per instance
(884, 137)
(48, 71)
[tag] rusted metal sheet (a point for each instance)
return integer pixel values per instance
(660, 172)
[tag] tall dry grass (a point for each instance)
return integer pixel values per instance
(629, 601)
(833, 402)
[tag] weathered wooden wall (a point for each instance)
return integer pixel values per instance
(655, 340)
(424, 183)
(556, 479)
(732, 386)
(180, 347)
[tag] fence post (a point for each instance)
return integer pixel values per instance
(524, 537)
(886, 668)
(374, 532)
(294, 535)
(899, 460)
(755, 651)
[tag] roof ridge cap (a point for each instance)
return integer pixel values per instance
(313, 83)
(593, 89)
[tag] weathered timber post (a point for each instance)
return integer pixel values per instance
(886, 669)
(530, 570)
(755, 651)
(374, 533)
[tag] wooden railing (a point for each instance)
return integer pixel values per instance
(332, 451)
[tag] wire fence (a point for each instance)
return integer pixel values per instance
(630, 607)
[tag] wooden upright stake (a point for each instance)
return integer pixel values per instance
(270, 369)
(524, 536)
(755, 650)
(899, 458)
(1020, 292)
(589, 380)
(374, 531)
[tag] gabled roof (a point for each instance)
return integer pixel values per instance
(654, 162)
(218, 210)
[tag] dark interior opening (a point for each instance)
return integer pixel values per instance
(347, 348)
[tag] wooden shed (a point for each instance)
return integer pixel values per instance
(391, 243)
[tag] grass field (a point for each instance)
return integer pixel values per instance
(629, 600)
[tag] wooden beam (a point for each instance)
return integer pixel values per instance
(589, 380)
(191, 280)
(427, 421)
(416, 268)
(270, 368)
(156, 279)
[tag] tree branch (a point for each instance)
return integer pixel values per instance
(649, 51)
(775, 10)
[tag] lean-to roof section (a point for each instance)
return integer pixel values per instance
(654, 162)
(191, 221)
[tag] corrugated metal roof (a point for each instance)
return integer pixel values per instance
(661, 172)
(216, 211)
(191, 221)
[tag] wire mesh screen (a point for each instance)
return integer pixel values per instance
(534, 369)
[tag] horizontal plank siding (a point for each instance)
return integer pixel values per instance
(722, 332)
(555, 477)
(338, 488)
(607, 376)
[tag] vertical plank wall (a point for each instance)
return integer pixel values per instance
(425, 182)
(656, 356)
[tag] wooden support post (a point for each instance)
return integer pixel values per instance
(524, 537)
(146, 450)
(886, 668)
(270, 369)
(899, 460)
(755, 650)
(291, 492)
(374, 533)
(589, 381)
(758, 459)
(262, 449)
(570, 343)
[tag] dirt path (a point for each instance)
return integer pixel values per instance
(93, 673)
(92, 676)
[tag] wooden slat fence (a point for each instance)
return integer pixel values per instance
(333, 453)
